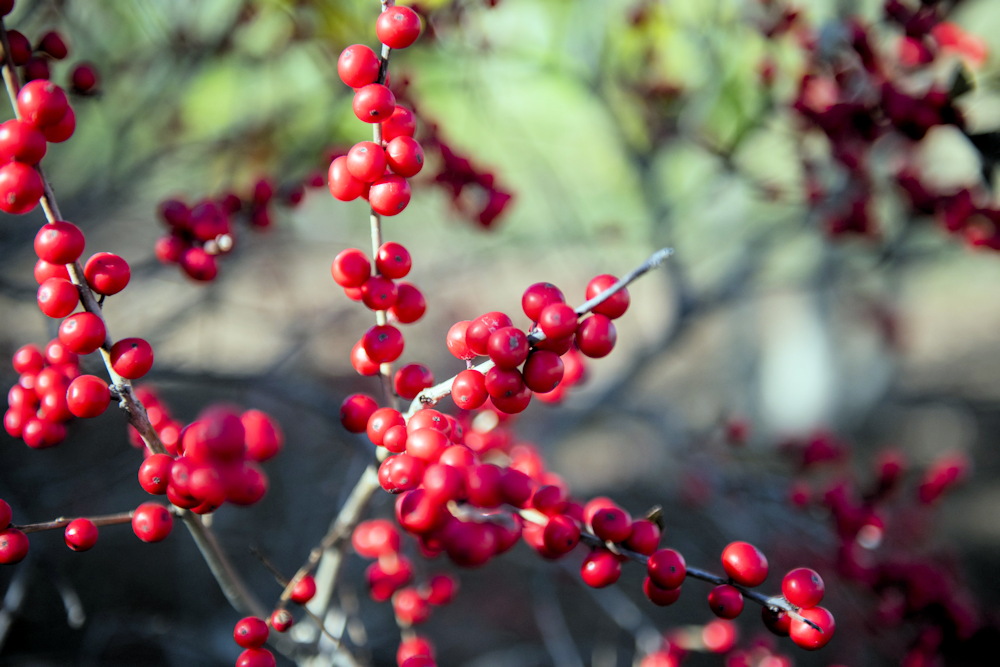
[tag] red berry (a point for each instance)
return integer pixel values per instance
(411, 379)
(666, 568)
(80, 534)
(468, 389)
(410, 304)
(107, 273)
(513, 403)
(398, 27)
(537, 297)
(411, 608)
(400, 124)
(351, 268)
(152, 522)
(358, 66)
(658, 595)
(28, 359)
(59, 242)
(615, 305)
(477, 335)
(561, 535)
(355, 411)
(281, 620)
(57, 297)
(373, 103)
(57, 353)
(53, 44)
(375, 538)
(543, 371)
(503, 382)
(199, 265)
(21, 142)
(507, 347)
(304, 590)
(84, 78)
(61, 130)
(154, 473)
(557, 320)
(360, 361)
(42, 103)
(13, 546)
(366, 161)
(443, 588)
(380, 421)
(456, 341)
(20, 46)
(383, 343)
(82, 333)
(45, 270)
(807, 637)
(600, 568)
(744, 563)
(256, 657)
(644, 537)
(596, 336)
(725, 601)
(379, 293)
(131, 357)
(389, 195)
(776, 620)
(88, 396)
(611, 524)
(263, 438)
(404, 156)
(20, 188)
(393, 260)
(426, 444)
(36, 68)
(342, 184)
(250, 632)
(5, 514)
(803, 587)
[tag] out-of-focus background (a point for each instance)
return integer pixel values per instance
(619, 127)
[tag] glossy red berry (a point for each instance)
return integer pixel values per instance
(361, 362)
(28, 359)
(393, 260)
(389, 195)
(666, 568)
(725, 601)
(107, 273)
(596, 336)
(600, 568)
(263, 438)
(83, 78)
(41, 103)
(152, 522)
(21, 142)
(644, 537)
(281, 620)
(59, 242)
(20, 188)
(61, 130)
(611, 524)
(379, 293)
(351, 268)
(404, 156)
(342, 184)
(507, 347)
(373, 103)
(658, 595)
(808, 637)
(456, 341)
(256, 657)
(410, 606)
(401, 123)
(250, 632)
(411, 379)
(154, 473)
(744, 563)
(82, 333)
(131, 357)
(477, 335)
(20, 46)
(358, 66)
(803, 587)
(304, 590)
(355, 410)
(468, 389)
(366, 161)
(410, 304)
(5, 514)
(57, 297)
(398, 27)
(426, 444)
(557, 320)
(53, 44)
(13, 546)
(80, 534)
(199, 265)
(383, 343)
(776, 620)
(616, 305)
(561, 535)
(88, 396)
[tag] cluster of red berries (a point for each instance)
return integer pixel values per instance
(251, 632)
(38, 407)
(200, 233)
(34, 61)
(44, 116)
(213, 460)
(374, 171)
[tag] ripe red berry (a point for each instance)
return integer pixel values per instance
(744, 563)
(263, 438)
(404, 156)
(351, 268)
(411, 379)
(666, 568)
(154, 473)
(28, 359)
(281, 620)
(411, 608)
(400, 124)
(88, 396)
(80, 534)
(807, 637)
(503, 382)
(611, 524)
(304, 590)
(513, 403)
(131, 357)
(13, 546)
(616, 305)
(383, 343)
(442, 589)
(477, 335)
(468, 389)
(596, 336)
(360, 361)
(53, 44)
(82, 333)
(561, 535)
(256, 657)
(84, 78)
(57, 297)
(5, 514)
(398, 27)
(389, 195)
(644, 537)
(456, 341)
(20, 188)
(426, 444)
(600, 568)
(42, 103)
(658, 595)
(342, 184)
(199, 265)
(366, 161)
(725, 601)
(803, 587)
(507, 347)
(250, 632)
(393, 260)
(20, 46)
(379, 293)
(410, 304)
(107, 273)
(537, 297)
(21, 142)
(557, 320)
(59, 242)
(776, 620)
(543, 371)
(355, 411)
(61, 130)
(152, 522)
(373, 103)
(358, 66)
